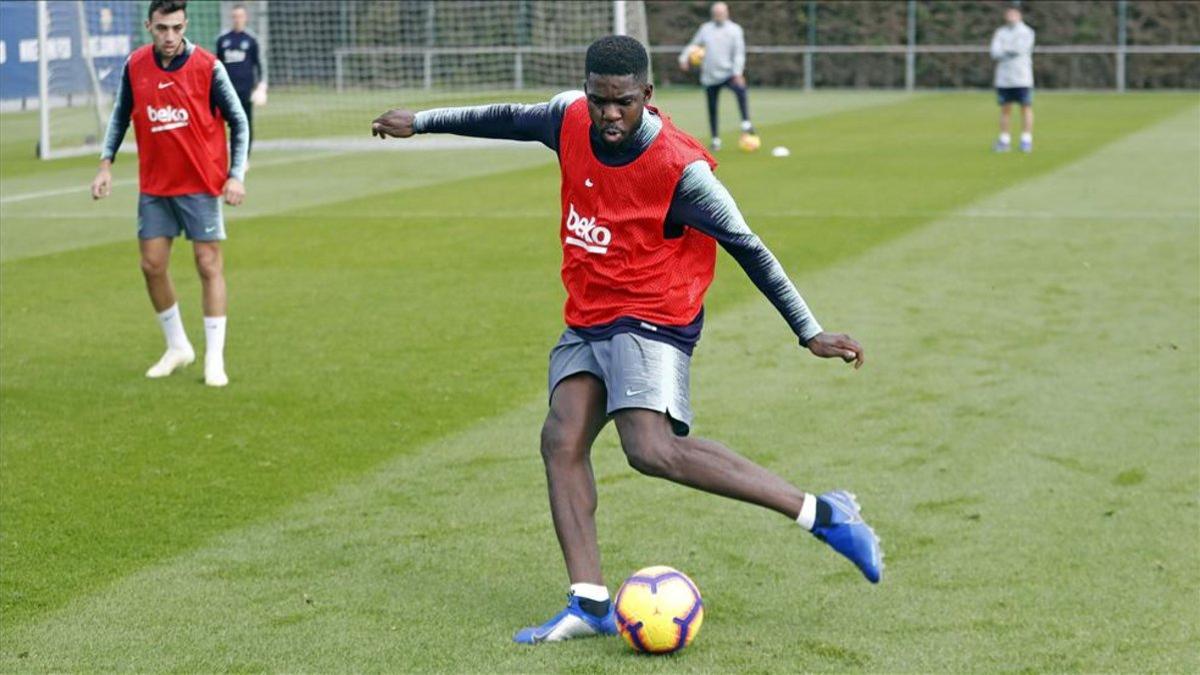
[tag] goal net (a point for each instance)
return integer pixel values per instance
(63, 67)
(334, 65)
(330, 65)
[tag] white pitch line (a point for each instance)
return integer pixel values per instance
(43, 194)
(1118, 216)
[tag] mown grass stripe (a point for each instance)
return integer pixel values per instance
(431, 560)
(358, 334)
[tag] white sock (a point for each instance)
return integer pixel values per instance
(808, 512)
(746, 126)
(1005, 138)
(590, 591)
(214, 339)
(1027, 137)
(172, 326)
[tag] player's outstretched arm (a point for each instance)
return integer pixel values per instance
(702, 202)
(397, 123)
(507, 121)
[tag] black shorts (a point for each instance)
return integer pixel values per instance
(1021, 95)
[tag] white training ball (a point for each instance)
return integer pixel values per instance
(780, 151)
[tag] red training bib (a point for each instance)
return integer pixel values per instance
(616, 261)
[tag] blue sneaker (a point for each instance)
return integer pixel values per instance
(1001, 146)
(570, 623)
(1027, 146)
(850, 536)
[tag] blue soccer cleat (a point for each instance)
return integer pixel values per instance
(1001, 146)
(850, 536)
(1027, 146)
(570, 623)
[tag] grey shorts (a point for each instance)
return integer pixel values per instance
(198, 216)
(636, 371)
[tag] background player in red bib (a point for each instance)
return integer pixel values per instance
(642, 213)
(179, 99)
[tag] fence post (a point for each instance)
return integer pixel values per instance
(263, 22)
(430, 41)
(43, 28)
(518, 70)
(1122, 8)
(619, 17)
(910, 53)
(343, 38)
(811, 19)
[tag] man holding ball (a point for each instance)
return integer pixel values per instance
(720, 47)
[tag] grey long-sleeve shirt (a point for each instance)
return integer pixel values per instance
(1012, 49)
(724, 51)
(222, 97)
(700, 200)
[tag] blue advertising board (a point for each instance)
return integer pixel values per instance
(110, 27)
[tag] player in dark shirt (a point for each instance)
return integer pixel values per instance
(642, 213)
(700, 201)
(238, 50)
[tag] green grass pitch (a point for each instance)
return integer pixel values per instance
(367, 494)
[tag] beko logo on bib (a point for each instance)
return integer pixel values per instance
(167, 118)
(589, 236)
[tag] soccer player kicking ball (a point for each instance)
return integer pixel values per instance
(179, 99)
(641, 216)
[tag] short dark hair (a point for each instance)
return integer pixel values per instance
(166, 7)
(618, 55)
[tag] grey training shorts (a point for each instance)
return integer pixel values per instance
(197, 215)
(636, 371)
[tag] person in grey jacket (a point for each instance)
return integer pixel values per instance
(723, 65)
(1012, 50)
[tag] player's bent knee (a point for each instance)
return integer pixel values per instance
(654, 458)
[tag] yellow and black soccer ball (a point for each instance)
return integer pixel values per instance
(659, 610)
(749, 142)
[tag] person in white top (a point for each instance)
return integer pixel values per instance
(1012, 50)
